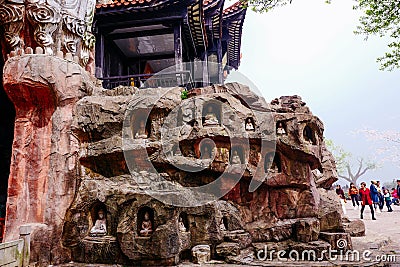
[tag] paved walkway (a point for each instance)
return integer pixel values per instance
(382, 236)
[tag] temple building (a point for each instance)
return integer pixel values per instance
(136, 39)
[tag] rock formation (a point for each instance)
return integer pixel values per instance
(288, 207)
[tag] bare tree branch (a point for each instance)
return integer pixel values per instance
(364, 171)
(345, 178)
(360, 161)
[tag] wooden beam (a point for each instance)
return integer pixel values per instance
(126, 35)
(113, 24)
(153, 56)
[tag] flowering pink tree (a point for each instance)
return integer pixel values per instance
(388, 143)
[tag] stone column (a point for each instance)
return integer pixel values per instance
(25, 234)
(44, 167)
(44, 88)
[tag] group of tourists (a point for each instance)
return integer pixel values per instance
(376, 197)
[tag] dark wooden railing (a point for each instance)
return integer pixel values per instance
(152, 80)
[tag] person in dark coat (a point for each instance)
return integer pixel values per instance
(398, 189)
(366, 200)
(380, 196)
(340, 193)
(374, 194)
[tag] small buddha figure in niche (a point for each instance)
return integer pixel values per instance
(280, 129)
(182, 226)
(235, 158)
(249, 125)
(147, 226)
(210, 118)
(222, 225)
(268, 161)
(100, 226)
(206, 154)
(141, 132)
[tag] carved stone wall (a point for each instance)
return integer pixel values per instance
(55, 26)
(289, 209)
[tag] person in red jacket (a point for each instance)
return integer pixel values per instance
(366, 200)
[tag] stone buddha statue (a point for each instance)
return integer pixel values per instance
(280, 129)
(147, 226)
(249, 125)
(181, 225)
(206, 154)
(222, 225)
(210, 118)
(141, 132)
(235, 158)
(100, 226)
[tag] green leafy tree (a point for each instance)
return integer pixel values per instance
(266, 5)
(382, 18)
(344, 163)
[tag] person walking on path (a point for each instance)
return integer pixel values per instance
(366, 200)
(374, 194)
(388, 200)
(395, 197)
(398, 188)
(353, 193)
(380, 196)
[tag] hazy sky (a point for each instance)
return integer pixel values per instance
(309, 48)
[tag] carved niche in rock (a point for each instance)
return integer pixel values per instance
(237, 156)
(145, 222)
(99, 219)
(280, 128)
(211, 114)
(272, 162)
(309, 135)
(140, 126)
(207, 150)
(183, 223)
(249, 124)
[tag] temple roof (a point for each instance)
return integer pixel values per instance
(211, 3)
(233, 18)
(143, 3)
(115, 3)
(135, 4)
(234, 9)
(227, 22)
